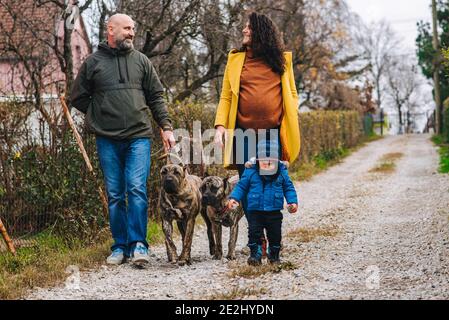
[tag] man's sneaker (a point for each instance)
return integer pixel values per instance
(117, 257)
(140, 254)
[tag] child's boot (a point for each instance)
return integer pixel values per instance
(273, 254)
(256, 254)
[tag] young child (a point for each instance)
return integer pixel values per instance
(265, 183)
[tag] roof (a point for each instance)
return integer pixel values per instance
(31, 24)
(26, 23)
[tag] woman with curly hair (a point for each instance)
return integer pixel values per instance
(258, 96)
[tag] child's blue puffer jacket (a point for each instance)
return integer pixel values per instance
(265, 195)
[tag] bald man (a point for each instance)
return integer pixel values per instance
(117, 88)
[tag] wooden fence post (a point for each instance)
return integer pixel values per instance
(6, 237)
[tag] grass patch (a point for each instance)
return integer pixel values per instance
(155, 235)
(437, 139)
(325, 160)
(443, 150)
(444, 159)
(384, 167)
(251, 272)
(319, 163)
(387, 163)
(237, 293)
(308, 235)
(392, 156)
(44, 263)
(45, 258)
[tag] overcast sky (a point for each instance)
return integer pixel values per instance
(402, 15)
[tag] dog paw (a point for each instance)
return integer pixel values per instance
(183, 262)
(231, 257)
(173, 259)
(217, 256)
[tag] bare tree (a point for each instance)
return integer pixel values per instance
(380, 47)
(319, 35)
(402, 79)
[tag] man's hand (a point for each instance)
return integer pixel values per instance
(219, 133)
(168, 139)
(232, 204)
(292, 208)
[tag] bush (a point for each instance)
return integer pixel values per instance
(445, 133)
(54, 188)
(327, 132)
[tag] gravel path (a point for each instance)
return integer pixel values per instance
(373, 236)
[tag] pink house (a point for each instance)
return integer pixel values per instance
(29, 29)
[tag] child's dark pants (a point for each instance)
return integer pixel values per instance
(269, 220)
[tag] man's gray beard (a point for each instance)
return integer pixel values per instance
(124, 45)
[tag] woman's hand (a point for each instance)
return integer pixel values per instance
(219, 133)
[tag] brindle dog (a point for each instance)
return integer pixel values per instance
(215, 191)
(179, 200)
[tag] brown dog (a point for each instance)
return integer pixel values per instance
(215, 191)
(179, 200)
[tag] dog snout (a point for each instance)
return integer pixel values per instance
(170, 186)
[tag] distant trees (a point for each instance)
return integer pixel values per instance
(338, 61)
(190, 40)
(430, 59)
(403, 82)
(380, 46)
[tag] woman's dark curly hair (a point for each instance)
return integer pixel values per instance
(266, 42)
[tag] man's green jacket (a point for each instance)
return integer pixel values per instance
(117, 90)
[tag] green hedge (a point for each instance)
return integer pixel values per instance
(328, 131)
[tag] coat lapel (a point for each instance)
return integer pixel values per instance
(235, 70)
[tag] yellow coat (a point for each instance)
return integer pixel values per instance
(227, 109)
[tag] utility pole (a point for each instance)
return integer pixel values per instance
(381, 121)
(436, 70)
(408, 121)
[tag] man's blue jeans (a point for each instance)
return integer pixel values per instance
(126, 165)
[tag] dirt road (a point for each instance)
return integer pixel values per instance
(360, 234)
